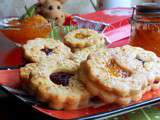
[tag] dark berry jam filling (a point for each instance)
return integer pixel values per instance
(61, 78)
(46, 50)
(156, 82)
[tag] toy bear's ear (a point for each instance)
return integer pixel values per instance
(62, 1)
(41, 1)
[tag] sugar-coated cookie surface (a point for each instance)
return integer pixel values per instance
(55, 83)
(82, 38)
(82, 55)
(41, 49)
(120, 75)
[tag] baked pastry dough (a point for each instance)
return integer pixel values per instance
(82, 38)
(41, 49)
(120, 75)
(56, 84)
(82, 55)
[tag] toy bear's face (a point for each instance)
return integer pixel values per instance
(52, 9)
(59, 18)
(48, 7)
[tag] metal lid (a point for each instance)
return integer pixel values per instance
(148, 9)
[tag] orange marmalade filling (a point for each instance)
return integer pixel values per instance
(147, 35)
(81, 36)
(115, 70)
(27, 29)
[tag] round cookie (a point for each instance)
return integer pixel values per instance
(120, 75)
(41, 49)
(82, 38)
(56, 84)
(82, 55)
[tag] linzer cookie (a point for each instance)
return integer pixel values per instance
(56, 84)
(83, 38)
(120, 75)
(41, 49)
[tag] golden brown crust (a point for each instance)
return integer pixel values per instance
(39, 83)
(82, 55)
(41, 49)
(127, 78)
(82, 38)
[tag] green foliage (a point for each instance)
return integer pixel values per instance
(149, 113)
(58, 32)
(29, 11)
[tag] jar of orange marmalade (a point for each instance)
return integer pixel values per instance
(145, 30)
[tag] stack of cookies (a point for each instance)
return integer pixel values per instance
(67, 74)
(51, 74)
(120, 75)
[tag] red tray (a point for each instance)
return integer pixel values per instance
(9, 76)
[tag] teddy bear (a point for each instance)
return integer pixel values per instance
(52, 10)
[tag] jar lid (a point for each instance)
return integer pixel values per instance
(148, 9)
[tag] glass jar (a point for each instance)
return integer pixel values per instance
(145, 31)
(26, 29)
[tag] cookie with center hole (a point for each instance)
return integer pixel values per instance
(55, 83)
(41, 49)
(82, 38)
(120, 75)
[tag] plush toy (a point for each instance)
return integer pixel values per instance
(52, 10)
